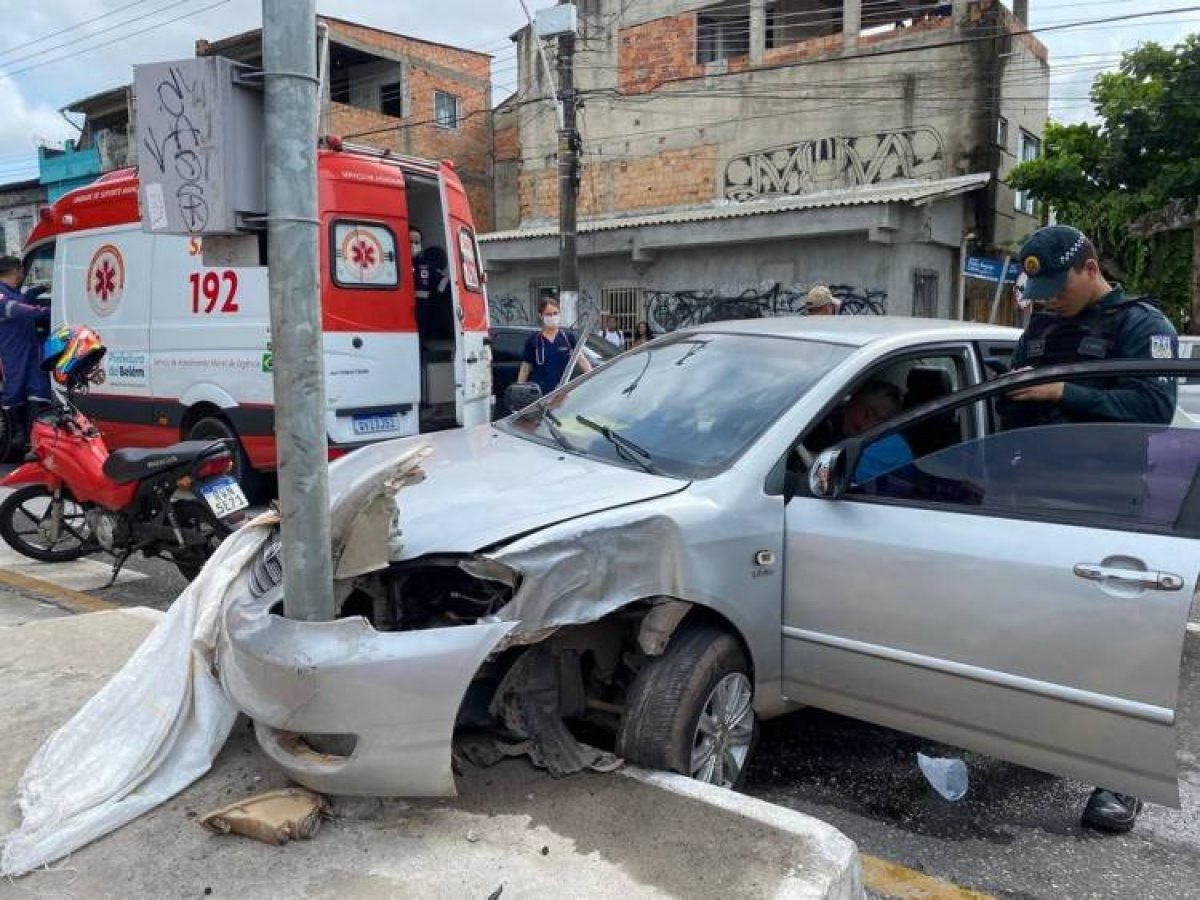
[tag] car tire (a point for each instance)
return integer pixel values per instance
(690, 710)
(214, 428)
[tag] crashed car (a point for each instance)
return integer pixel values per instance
(677, 546)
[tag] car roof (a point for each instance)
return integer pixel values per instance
(858, 331)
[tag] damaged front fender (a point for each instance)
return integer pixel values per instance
(393, 695)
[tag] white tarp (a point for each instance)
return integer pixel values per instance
(151, 731)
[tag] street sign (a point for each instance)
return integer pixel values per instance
(985, 268)
(200, 146)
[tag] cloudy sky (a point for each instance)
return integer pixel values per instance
(57, 51)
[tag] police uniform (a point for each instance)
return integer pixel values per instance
(1115, 327)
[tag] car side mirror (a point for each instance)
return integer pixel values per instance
(827, 474)
(517, 396)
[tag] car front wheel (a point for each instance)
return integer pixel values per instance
(691, 710)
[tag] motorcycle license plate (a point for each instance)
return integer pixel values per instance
(376, 423)
(224, 496)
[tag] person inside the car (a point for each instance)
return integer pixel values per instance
(873, 404)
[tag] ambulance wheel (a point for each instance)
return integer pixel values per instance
(214, 428)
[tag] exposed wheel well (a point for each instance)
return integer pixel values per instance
(203, 410)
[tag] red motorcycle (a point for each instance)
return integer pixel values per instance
(73, 497)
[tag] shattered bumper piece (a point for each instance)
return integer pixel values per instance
(395, 695)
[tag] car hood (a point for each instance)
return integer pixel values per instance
(483, 487)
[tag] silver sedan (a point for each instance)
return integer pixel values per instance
(726, 524)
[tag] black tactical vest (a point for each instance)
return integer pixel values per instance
(1053, 340)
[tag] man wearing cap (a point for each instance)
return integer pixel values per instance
(1086, 318)
(820, 301)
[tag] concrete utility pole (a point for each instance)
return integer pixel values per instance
(568, 181)
(291, 111)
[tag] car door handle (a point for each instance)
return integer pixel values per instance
(1155, 581)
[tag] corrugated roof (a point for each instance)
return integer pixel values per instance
(914, 192)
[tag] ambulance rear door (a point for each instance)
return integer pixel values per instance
(372, 351)
(472, 356)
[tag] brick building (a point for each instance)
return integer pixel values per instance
(729, 144)
(384, 89)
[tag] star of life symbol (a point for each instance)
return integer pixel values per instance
(363, 251)
(106, 280)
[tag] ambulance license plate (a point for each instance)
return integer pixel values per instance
(223, 495)
(376, 423)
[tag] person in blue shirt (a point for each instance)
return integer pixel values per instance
(873, 404)
(20, 348)
(548, 351)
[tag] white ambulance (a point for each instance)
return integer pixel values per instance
(190, 344)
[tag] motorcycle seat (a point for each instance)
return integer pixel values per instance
(134, 464)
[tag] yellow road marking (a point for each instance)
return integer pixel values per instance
(894, 880)
(68, 599)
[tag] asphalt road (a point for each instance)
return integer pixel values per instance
(1016, 834)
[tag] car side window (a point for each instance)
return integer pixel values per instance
(507, 346)
(1126, 476)
(902, 385)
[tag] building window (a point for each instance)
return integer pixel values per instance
(721, 32)
(925, 293)
(624, 304)
(1028, 148)
(1002, 132)
(391, 99)
(446, 110)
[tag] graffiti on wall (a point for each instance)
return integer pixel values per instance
(668, 310)
(830, 163)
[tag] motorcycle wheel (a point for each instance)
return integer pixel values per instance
(192, 514)
(26, 514)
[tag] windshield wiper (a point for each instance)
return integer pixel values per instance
(626, 448)
(553, 424)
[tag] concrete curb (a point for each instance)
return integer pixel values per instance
(836, 871)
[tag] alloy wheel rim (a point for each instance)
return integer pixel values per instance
(724, 731)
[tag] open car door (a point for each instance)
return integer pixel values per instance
(1023, 594)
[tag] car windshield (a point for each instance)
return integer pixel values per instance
(687, 406)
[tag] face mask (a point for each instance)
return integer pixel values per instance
(551, 321)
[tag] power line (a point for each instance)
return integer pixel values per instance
(47, 36)
(118, 39)
(110, 28)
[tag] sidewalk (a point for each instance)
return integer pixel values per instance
(638, 834)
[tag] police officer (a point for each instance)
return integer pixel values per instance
(25, 383)
(1085, 317)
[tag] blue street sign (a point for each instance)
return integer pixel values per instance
(987, 269)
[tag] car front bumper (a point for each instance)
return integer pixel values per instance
(391, 698)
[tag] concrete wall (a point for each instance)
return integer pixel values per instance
(731, 270)
(804, 118)
(19, 206)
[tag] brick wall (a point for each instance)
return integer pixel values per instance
(468, 147)
(651, 53)
(671, 178)
(476, 65)
(507, 144)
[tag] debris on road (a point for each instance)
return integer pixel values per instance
(946, 776)
(274, 817)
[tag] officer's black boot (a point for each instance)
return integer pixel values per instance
(1112, 812)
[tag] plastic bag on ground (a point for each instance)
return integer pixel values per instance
(946, 776)
(152, 730)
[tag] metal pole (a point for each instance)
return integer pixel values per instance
(292, 108)
(568, 184)
(999, 291)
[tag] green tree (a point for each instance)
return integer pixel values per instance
(1144, 152)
